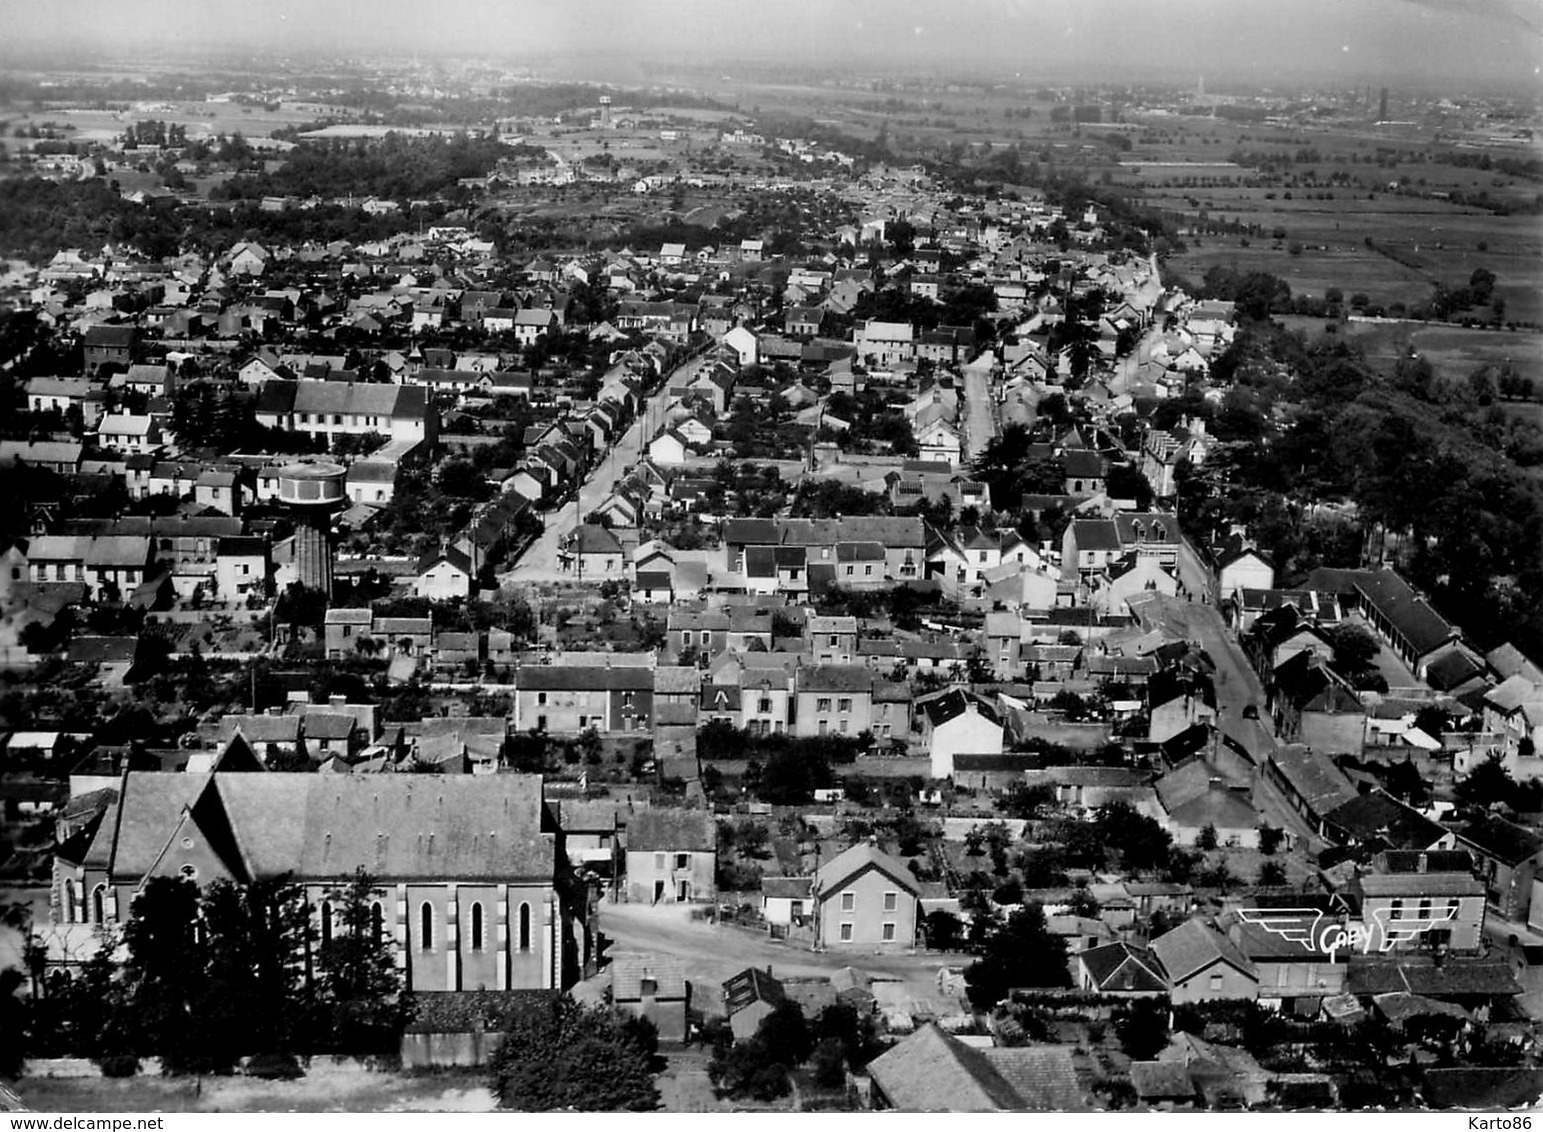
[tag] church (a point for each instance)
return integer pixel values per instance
(475, 889)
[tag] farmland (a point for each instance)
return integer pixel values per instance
(1452, 351)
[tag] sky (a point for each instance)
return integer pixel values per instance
(1101, 40)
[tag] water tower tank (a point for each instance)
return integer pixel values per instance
(308, 486)
(313, 493)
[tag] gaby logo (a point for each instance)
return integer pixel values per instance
(1317, 933)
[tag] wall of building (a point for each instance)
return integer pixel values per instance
(1218, 981)
(655, 877)
(1336, 733)
(868, 915)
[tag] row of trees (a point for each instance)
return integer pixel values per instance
(210, 976)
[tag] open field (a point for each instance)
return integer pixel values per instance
(1451, 350)
(203, 119)
(1434, 243)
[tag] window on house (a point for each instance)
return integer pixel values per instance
(1216, 981)
(685, 637)
(846, 933)
(98, 900)
(824, 727)
(891, 900)
(844, 704)
(843, 726)
(1425, 908)
(648, 987)
(658, 860)
(764, 705)
(476, 927)
(889, 933)
(848, 901)
(683, 860)
(1397, 910)
(426, 927)
(868, 570)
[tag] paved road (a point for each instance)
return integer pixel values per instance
(539, 563)
(980, 421)
(713, 952)
(1237, 686)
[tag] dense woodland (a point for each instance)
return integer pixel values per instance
(1441, 481)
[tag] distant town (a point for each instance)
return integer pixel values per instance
(727, 595)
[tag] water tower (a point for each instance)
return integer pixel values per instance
(605, 111)
(312, 494)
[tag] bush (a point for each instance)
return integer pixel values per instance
(275, 1067)
(829, 1064)
(119, 1065)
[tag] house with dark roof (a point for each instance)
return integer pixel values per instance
(1313, 704)
(653, 987)
(1240, 566)
(1203, 793)
(473, 887)
(866, 898)
(443, 574)
(1376, 821)
(1400, 615)
(570, 698)
(959, 722)
(108, 345)
(932, 1071)
(1310, 782)
(833, 699)
(1432, 893)
(1178, 699)
(748, 997)
(1119, 968)
(1201, 964)
(672, 856)
(1508, 858)
(325, 410)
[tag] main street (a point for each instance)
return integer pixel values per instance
(980, 419)
(539, 563)
(1237, 687)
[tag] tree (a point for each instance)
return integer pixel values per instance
(854, 1032)
(164, 976)
(943, 931)
(1083, 902)
(561, 1056)
(1272, 874)
(14, 1031)
(361, 988)
(1355, 649)
(1021, 953)
(1142, 1030)
(255, 938)
(1205, 840)
(1270, 838)
(759, 1066)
